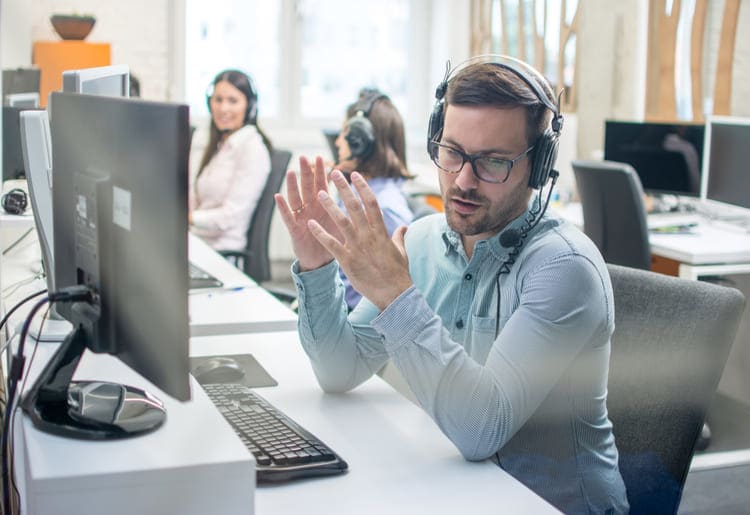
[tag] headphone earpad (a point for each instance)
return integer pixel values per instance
(15, 201)
(360, 135)
(435, 125)
(543, 158)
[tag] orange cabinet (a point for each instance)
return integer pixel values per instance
(54, 57)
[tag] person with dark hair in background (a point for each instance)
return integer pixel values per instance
(498, 316)
(235, 164)
(373, 143)
(135, 87)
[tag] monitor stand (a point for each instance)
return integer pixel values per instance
(53, 329)
(89, 410)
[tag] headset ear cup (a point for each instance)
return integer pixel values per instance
(360, 135)
(251, 113)
(15, 201)
(545, 154)
(435, 125)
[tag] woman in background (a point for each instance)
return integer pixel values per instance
(235, 164)
(373, 143)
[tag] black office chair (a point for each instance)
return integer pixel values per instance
(671, 342)
(614, 216)
(254, 260)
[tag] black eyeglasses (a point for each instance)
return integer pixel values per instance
(486, 168)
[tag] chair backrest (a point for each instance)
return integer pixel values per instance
(258, 264)
(614, 216)
(671, 342)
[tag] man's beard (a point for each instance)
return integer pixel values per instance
(495, 215)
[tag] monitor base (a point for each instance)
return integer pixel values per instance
(89, 410)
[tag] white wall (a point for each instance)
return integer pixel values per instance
(611, 65)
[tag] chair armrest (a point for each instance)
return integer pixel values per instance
(236, 257)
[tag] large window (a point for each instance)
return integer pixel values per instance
(309, 58)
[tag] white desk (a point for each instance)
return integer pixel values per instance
(241, 306)
(203, 256)
(399, 461)
(183, 467)
(713, 248)
(237, 311)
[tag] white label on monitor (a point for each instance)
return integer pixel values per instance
(121, 207)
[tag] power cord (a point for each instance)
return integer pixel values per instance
(16, 370)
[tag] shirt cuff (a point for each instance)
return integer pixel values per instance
(319, 280)
(403, 320)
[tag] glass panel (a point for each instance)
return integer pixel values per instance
(339, 58)
(241, 34)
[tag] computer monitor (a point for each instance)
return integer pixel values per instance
(37, 159)
(120, 211)
(112, 81)
(27, 100)
(726, 163)
(666, 156)
(21, 80)
(13, 165)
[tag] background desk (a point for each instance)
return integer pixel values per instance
(241, 306)
(712, 248)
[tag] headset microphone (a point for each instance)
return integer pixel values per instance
(510, 238)
(515, 238)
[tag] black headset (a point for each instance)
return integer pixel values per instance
(15, 201)
(545, 147)
(358, 130)
(251, 112)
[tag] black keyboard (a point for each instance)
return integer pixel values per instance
(282, 448)
(199, 278)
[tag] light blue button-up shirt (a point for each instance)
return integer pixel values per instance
(532, 397)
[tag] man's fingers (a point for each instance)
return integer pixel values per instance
(369, 201)
(350, 200)
(330, 243)
(398, 239)
(321, 181)
(286, 213)
(342, 221)
(292, 189)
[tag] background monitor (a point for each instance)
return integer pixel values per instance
(120, 211)
(21, 80)
(666, 156)
(37, 158)
(27, 100)
(13, 165)
(726, 163)
(113, 81)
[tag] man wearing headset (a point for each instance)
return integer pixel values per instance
(498, 317)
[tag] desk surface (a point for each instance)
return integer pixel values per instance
(399, 461)
(710, 247)
(240, 306)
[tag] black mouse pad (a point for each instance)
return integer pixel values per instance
(255, 375)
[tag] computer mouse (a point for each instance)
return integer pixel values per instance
(220, 369)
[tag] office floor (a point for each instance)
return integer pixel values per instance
(723, 490)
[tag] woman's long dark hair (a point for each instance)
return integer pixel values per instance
(242, 82)
(389, 156)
